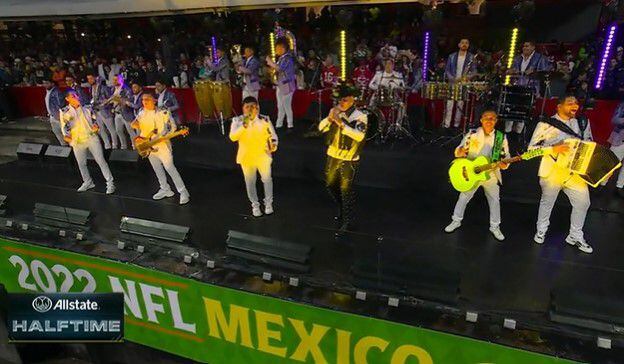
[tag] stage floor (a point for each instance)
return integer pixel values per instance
(514, 276)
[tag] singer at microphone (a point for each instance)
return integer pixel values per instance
(345, 129)
(257, 141)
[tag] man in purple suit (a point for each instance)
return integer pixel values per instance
(460, 66)
(249, 69)
(286, 83)
(524, 67)
(616, 139)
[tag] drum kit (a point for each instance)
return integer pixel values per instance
(386, 110)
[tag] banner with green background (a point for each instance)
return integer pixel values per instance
(218, 325)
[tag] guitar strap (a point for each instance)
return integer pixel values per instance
(499, 137)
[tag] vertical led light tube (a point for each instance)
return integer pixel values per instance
(272, 40)
(605, 56)
(425, 65)
(214, 48)
(343, 55)
(512, 51)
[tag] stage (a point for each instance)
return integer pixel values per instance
(404, 202)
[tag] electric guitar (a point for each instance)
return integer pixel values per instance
(144, 146)
(466, 174)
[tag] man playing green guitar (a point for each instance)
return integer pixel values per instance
(492, 144)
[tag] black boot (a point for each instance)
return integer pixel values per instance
(620, 192)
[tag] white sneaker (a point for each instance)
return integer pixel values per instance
(86, 186)
(539, 237)
(454, 225)
(581, 244)
(268, 208)
(162, 194)
(110, 188)
(255, 211)
(185, 197)
(498, 234)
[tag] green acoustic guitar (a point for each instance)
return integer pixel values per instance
(466, 174)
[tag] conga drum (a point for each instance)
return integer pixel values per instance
(203, 95)
(222, 98)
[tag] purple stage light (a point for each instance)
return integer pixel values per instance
(605, 56)
(214, 49)
(425, 57)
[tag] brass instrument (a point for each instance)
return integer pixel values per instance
(280, 32)
(235, 53)
(285, 33)
(237, 61)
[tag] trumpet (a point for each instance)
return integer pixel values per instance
(235, 53)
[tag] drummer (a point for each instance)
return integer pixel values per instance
(388, 78)
(526, 67)
(527, 63)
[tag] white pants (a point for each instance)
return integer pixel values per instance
(250, 172)
(577, 192)
(619, 152)
(284, 109)
(162, 160)
(80, 152)
(448, 113)
(122, 127)
(107, 130)
(492, 193)
(56, 129)
(516, 126)
(250, 93)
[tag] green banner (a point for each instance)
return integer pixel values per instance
(208, 323)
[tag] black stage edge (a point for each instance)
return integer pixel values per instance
(397, 249)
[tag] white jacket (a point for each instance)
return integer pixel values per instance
(479, 144)
(546, 135)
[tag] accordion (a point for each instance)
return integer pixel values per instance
(591, 161)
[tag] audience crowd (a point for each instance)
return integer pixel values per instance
(180, 53)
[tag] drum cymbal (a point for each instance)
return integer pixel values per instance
(542, 75)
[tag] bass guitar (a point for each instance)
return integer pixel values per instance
(145, 146)
(466, 174)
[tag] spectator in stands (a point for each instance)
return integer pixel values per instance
(362, 74)
(58, 75)
(5, 81)
(330, 73)
(151, 74)
(312, 73)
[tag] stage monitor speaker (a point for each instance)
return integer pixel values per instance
(29, 151)
(154, 229)
(53, 215)
(420, 278)
(269, 251)
(124, 156)
(57, 153)
(588, 308)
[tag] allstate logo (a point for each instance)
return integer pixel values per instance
(42, 304)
